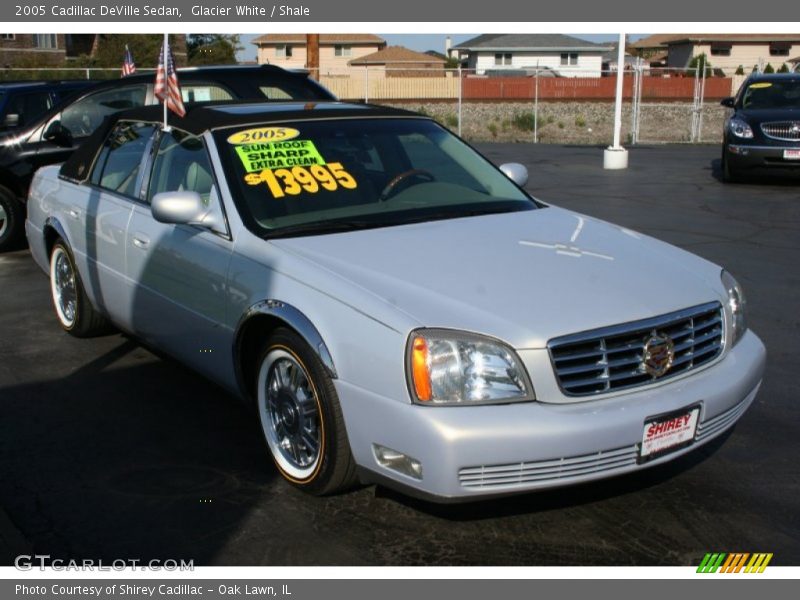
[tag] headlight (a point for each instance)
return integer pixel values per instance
(740, 128)
(452, 367)
(736, 305)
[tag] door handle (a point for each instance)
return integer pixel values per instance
(140, 240)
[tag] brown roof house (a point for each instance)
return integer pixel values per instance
(726, 51)
(336, 50)
(399, 61)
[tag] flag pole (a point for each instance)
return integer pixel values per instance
(164, 51)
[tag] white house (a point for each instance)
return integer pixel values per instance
(500, 53)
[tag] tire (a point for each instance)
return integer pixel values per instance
(728, 175)
(75, 313)
(12, 220)
(301, 418)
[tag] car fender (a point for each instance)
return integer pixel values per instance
(291, 317)
(52, 223)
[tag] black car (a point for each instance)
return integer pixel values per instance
(52, 137)
(764, 129)
(22, 102)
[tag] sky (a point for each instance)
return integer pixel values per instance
(422, 42)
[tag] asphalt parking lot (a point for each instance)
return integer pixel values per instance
(109, 452)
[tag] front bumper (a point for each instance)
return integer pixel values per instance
(744, 156)
(477, 451)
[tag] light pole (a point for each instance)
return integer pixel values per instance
(616, 157)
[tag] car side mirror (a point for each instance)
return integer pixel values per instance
(516, 172)
(727, 102)
(11, 120)
(183, 208)
(58, 134)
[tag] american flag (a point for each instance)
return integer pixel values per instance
(167, 87)
(128, 66)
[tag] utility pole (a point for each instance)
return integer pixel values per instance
(312, 54)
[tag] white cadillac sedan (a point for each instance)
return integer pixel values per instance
(393, 307)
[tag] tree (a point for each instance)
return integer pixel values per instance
(784, 68)
(212, 48)
(109, 50)
(740, 70)
(769, 68)
(698, 64)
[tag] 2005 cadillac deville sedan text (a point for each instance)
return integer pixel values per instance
(397, 309)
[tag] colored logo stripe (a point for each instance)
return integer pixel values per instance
(734, 562)
(711, 562)
(758, 563)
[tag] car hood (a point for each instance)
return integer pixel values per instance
(769, 114)
(523, 277)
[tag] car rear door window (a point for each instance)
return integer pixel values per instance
(117, 166)
(204, 92)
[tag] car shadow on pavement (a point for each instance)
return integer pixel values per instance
(775, 177)
(128, 457)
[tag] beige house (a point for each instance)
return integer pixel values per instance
(336, 50)
(724, 51)
(399, 61)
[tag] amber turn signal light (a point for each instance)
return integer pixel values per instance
(419, 369)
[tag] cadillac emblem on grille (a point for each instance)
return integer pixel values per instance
(658, 354)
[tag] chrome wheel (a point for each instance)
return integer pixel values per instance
(3, 220)
(290, 415)
(62, 283)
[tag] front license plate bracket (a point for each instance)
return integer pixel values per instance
(667, 433)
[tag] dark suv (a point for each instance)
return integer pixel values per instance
(764, 129)
(52, 137)
(23, 101)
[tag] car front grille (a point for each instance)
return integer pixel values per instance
(710, 428)
(612, 358)
(787, 131)
(492, 476)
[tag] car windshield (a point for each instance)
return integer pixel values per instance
(772, 94)
(336, 175)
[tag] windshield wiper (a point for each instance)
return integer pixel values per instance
(323, 227)
(398, 218)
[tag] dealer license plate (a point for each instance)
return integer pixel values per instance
(667, 433)
(792, 154)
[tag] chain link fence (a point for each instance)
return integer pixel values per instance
(537, 104)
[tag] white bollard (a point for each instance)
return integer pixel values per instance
(615, 158)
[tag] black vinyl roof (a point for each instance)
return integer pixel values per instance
(205, 117)
(202, 117)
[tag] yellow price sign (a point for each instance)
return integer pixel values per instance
(297, 180)
(760, 85)
(263, 134)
